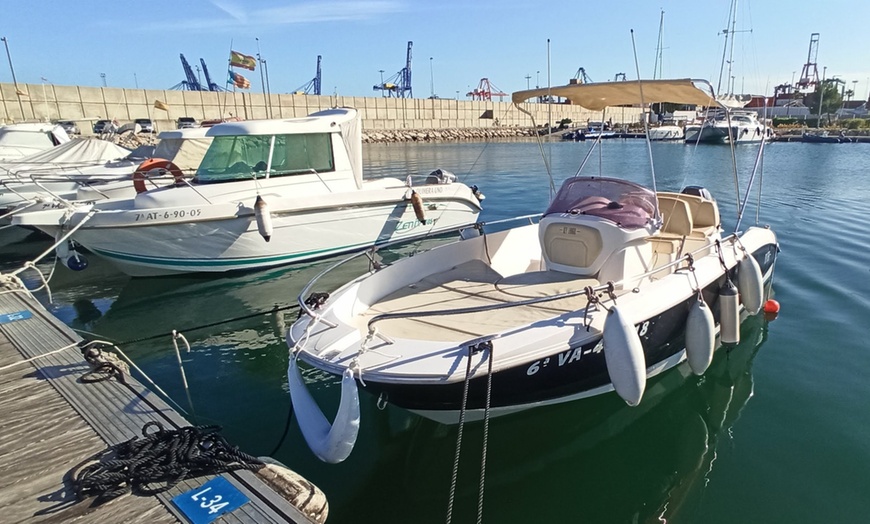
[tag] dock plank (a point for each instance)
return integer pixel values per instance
(51, 421)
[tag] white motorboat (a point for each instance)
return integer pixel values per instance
(267, 192)
(728, 125)
(20, 140)
(616, 283)
(91, 169)
(666, 132)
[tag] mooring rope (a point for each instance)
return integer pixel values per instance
(159, 461)
(459, 440)
(485, 436)
(275, 309)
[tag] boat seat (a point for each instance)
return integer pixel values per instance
(676, 216)
(704, 213)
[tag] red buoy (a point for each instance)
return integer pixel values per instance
(771, 306)
(771, 309)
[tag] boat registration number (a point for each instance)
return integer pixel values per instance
(166, 215)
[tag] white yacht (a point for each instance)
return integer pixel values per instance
(268, 192)
(724, 126)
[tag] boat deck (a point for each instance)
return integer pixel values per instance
(52, 422)
(474, 284)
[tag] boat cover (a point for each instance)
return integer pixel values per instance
(80, 152)
(597, 96)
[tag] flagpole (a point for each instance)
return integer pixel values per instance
(262, 82)
(226, 91)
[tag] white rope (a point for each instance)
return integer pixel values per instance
(37, 357)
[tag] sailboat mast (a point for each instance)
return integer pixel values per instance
(731, 20)
(657, 67)
(731, 50)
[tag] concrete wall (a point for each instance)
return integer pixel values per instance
(84, 105)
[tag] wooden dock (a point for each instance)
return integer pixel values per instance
(51, 422)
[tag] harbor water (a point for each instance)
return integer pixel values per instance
(776, 431)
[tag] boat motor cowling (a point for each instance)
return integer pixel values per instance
(700, 191)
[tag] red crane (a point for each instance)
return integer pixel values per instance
(485, 91)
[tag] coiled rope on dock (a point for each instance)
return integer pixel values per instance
(159, 461)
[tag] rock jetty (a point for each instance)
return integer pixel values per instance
(433, 135)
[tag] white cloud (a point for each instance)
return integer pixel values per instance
(236, 16)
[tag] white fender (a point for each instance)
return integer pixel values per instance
(264, 218)
(331, 443)
(623, 354)
(729, 314)
(749, 284)
(62, 248)
(700, 336)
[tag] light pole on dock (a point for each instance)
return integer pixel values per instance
(14, 81)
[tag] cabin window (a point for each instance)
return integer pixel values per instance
(245, 157)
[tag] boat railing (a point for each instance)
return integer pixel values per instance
(601, 288)
(606, 287)
(370, 254)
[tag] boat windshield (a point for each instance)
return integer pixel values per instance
(629, 204)
(246, 156)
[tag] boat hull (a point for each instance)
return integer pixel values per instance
(545, 362)
(562, 376)
(233, 243)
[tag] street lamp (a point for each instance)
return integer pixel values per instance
(45, 98)
(528, 77)
(103, 76)
(14, 81)
(538, 81)
(431, 80)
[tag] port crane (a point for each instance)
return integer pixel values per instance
(810, 73)
(485, 91)
(192, 83)
(312, 85)
(210, 86)
(580, 77)
(400, 83)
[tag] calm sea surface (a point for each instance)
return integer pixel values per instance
(776, 431)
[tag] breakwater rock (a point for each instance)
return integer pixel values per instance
(432, 135)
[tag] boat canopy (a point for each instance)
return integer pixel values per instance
(626, 203)
(597, 96)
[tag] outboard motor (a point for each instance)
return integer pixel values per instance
(697, 191)
(441, 176)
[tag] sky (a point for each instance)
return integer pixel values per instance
(455, 43)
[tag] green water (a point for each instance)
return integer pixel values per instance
(775, 431)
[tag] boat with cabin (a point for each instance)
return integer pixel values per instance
(727, 126)
(615, 283)
(267, 193)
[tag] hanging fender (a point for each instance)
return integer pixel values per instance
(749, 283)
(729, 313)
(331, 443)
(155, 167)
(700, 336)
(623, 355)
(417, 204)
(264, 218)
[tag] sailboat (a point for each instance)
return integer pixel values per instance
(728, 123)
(664, 130)
(615, 283)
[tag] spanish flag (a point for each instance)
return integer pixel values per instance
(244, 61)
(161, 105)
(239, 81)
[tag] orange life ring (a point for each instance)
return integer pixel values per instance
(148, 168)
